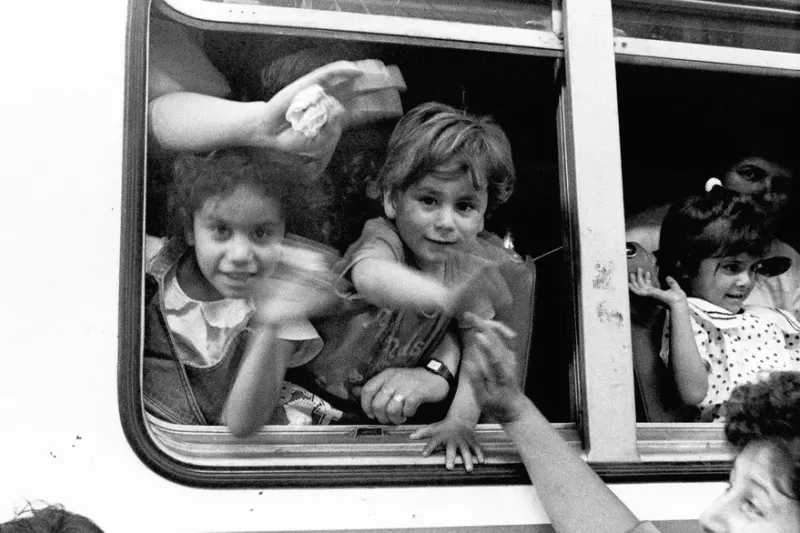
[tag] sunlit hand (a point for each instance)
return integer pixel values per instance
(641, 283)
(344, 81)
(492, 370)
(456, 437)
(395, 394)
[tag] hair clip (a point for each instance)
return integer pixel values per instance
(711, 183)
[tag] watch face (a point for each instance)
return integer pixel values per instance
(434, 365)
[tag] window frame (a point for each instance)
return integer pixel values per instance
(682, 449)
(606, 432)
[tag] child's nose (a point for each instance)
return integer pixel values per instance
(239, 249)
(713, 518)
(745, 277)
(445, 219)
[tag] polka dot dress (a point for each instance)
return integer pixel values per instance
(737, 346)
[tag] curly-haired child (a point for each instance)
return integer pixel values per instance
(226, 313)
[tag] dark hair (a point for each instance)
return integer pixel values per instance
(50, 519)
(768, 411)
(718, 223)
(436, 138)
(286, 69)
(198, 178)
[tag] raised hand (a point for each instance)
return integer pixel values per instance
(492, 370)
(301, 287)
(641, 283)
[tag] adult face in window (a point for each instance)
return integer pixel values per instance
(766, 179)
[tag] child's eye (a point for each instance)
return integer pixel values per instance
(732, 268)
(465, 206)
(752, 174)
(749, 507)
(262, 234)
(427, 200)
(220, 231)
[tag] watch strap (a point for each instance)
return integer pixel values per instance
(435, 366)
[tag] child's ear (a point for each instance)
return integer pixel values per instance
(389, 207)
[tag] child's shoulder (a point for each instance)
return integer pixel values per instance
(784, 320)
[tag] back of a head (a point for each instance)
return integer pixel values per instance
(437, 138)
(768, 411)
(50, 519)
(717, 223)
(291, 67)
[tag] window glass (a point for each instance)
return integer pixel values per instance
(754, 25)
(517, 90)
(515, 14)
(678, 128)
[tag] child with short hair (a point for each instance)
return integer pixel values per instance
(710, 254)
(422, 263)
(221, 327)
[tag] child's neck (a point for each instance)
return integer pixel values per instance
(193, 282)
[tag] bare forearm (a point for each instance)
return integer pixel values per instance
(258, 384)
(390, 284)
(575, 498)
(186, 121)
(689, 371)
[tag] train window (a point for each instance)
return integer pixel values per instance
(679, 127)
(220, 49)
(768, 25)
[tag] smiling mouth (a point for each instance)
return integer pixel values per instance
(239, 277)
(441, 243)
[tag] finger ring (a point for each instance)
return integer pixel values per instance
(399, 398)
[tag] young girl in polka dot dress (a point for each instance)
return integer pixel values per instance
(710, 254)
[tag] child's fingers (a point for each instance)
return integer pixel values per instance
(421, 433)
(466, 454)
(450, 457)
(498, 327)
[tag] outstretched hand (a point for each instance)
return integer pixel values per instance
(641, 283)
(492, 370)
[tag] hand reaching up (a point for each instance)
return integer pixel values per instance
(641, 283)
(492, 370)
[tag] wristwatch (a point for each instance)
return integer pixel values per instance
(435, 366)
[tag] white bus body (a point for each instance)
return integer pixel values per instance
(63, 123)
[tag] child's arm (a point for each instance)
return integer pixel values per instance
(255, 392)
(395, 394)
(455, 432)
(386, 283)
(688, 368)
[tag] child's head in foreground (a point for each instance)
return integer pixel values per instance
(232, 207)
(763, 423)
(50, 519)
(712, 245)
(444, 170)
